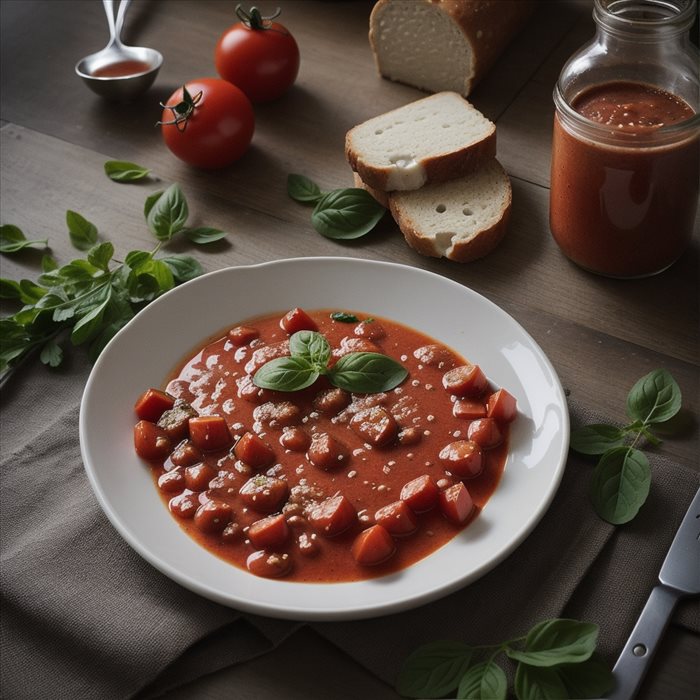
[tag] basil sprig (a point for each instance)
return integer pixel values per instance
(124, 171)
(359, 372)
(622, 476)
(89, 299)
(342, 214)
(556, 659)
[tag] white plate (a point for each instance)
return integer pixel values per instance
(153, 343)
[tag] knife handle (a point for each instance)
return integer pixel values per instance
(641, 646)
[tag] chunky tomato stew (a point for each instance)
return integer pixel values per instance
(322, 483)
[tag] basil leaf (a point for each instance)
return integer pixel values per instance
(183, 267)
(150, 201)
(88, 325)
(589, 679)
(537, 683)
(433, 670)
(30, 293)
(83, 234)
(485, 681)
(204, 235)
(286, 374)
(312, 346)
(160, 272)
(48, 264)
(620, 484)
(136, 258)
(342, 317)
(346, 214)
(123, 171)
(51, 354)
(168, 215)
(12, 239)
(100, 255)
(301, 189)
(9, 289)
(655, 398)
(596, 439)
(366, 373)
(557, 641)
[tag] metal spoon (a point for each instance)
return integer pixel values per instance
(138, 78)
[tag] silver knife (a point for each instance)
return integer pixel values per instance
(679, 577)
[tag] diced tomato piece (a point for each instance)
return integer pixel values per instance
(463, 458)
(152, 403)
(278, 414)
(468, 409)
(269, 532)
(253, 451)
(397, 518)
(376, 426)
(421, 494)
(373, 546)
(326, 452)
(297, 320)
(410, 436)
(269, 564)
(172, 482)
(295, 439)
(264, 494)
(502, 406)
(456, 503)
(185, 454)
(332, 401)
(370, 330)
(198, 476)
(243, 335)
(151, 442)
(184, 506)
(333, 516)
(213, 516)
(485, 433)
(209, 433)
(466, 380)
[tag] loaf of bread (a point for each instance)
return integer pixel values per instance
(434, 139)
(438, 45)
(462, 219)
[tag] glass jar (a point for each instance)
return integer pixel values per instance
(626, 147)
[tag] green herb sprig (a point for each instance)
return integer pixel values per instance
(91, 298)
(360, 372)
(556, 659)
(342, 214)
(622, 476)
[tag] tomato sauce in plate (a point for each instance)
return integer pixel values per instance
(324, 485)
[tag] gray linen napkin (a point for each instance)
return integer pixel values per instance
(84, 617)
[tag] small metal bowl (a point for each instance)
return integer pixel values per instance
(125, 87)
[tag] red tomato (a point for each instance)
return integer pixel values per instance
(209, 126)
(258, 56)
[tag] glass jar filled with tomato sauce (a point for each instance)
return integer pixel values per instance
(626, 146)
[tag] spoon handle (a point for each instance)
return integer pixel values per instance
(121, 13)
(113, 35)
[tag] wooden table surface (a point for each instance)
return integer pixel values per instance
(600, 334)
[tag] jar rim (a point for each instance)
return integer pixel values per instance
(638, 16)
(652, 137)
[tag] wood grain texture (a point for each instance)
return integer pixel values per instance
(600, 334)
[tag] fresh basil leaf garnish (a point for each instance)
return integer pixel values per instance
(168, 214)
(433, 670)
(204, 235)
(301, 189)
(83, 233)
(12, 240)
(597, 438)
(286, 374)
(312, 346)
(343, 317)
(557, 641)
(655, 398)
(367, 372)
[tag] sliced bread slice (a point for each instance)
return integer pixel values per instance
(435, 139)
(462, 220)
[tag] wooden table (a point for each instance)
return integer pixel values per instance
(600, 334)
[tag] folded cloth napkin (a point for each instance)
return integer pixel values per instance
(83, 616)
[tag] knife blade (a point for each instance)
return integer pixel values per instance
(679, 577)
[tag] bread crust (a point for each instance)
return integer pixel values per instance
(487, 25)
(478, 246)
(437, 168)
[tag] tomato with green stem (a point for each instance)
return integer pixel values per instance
(208, 123)
(258, 55)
